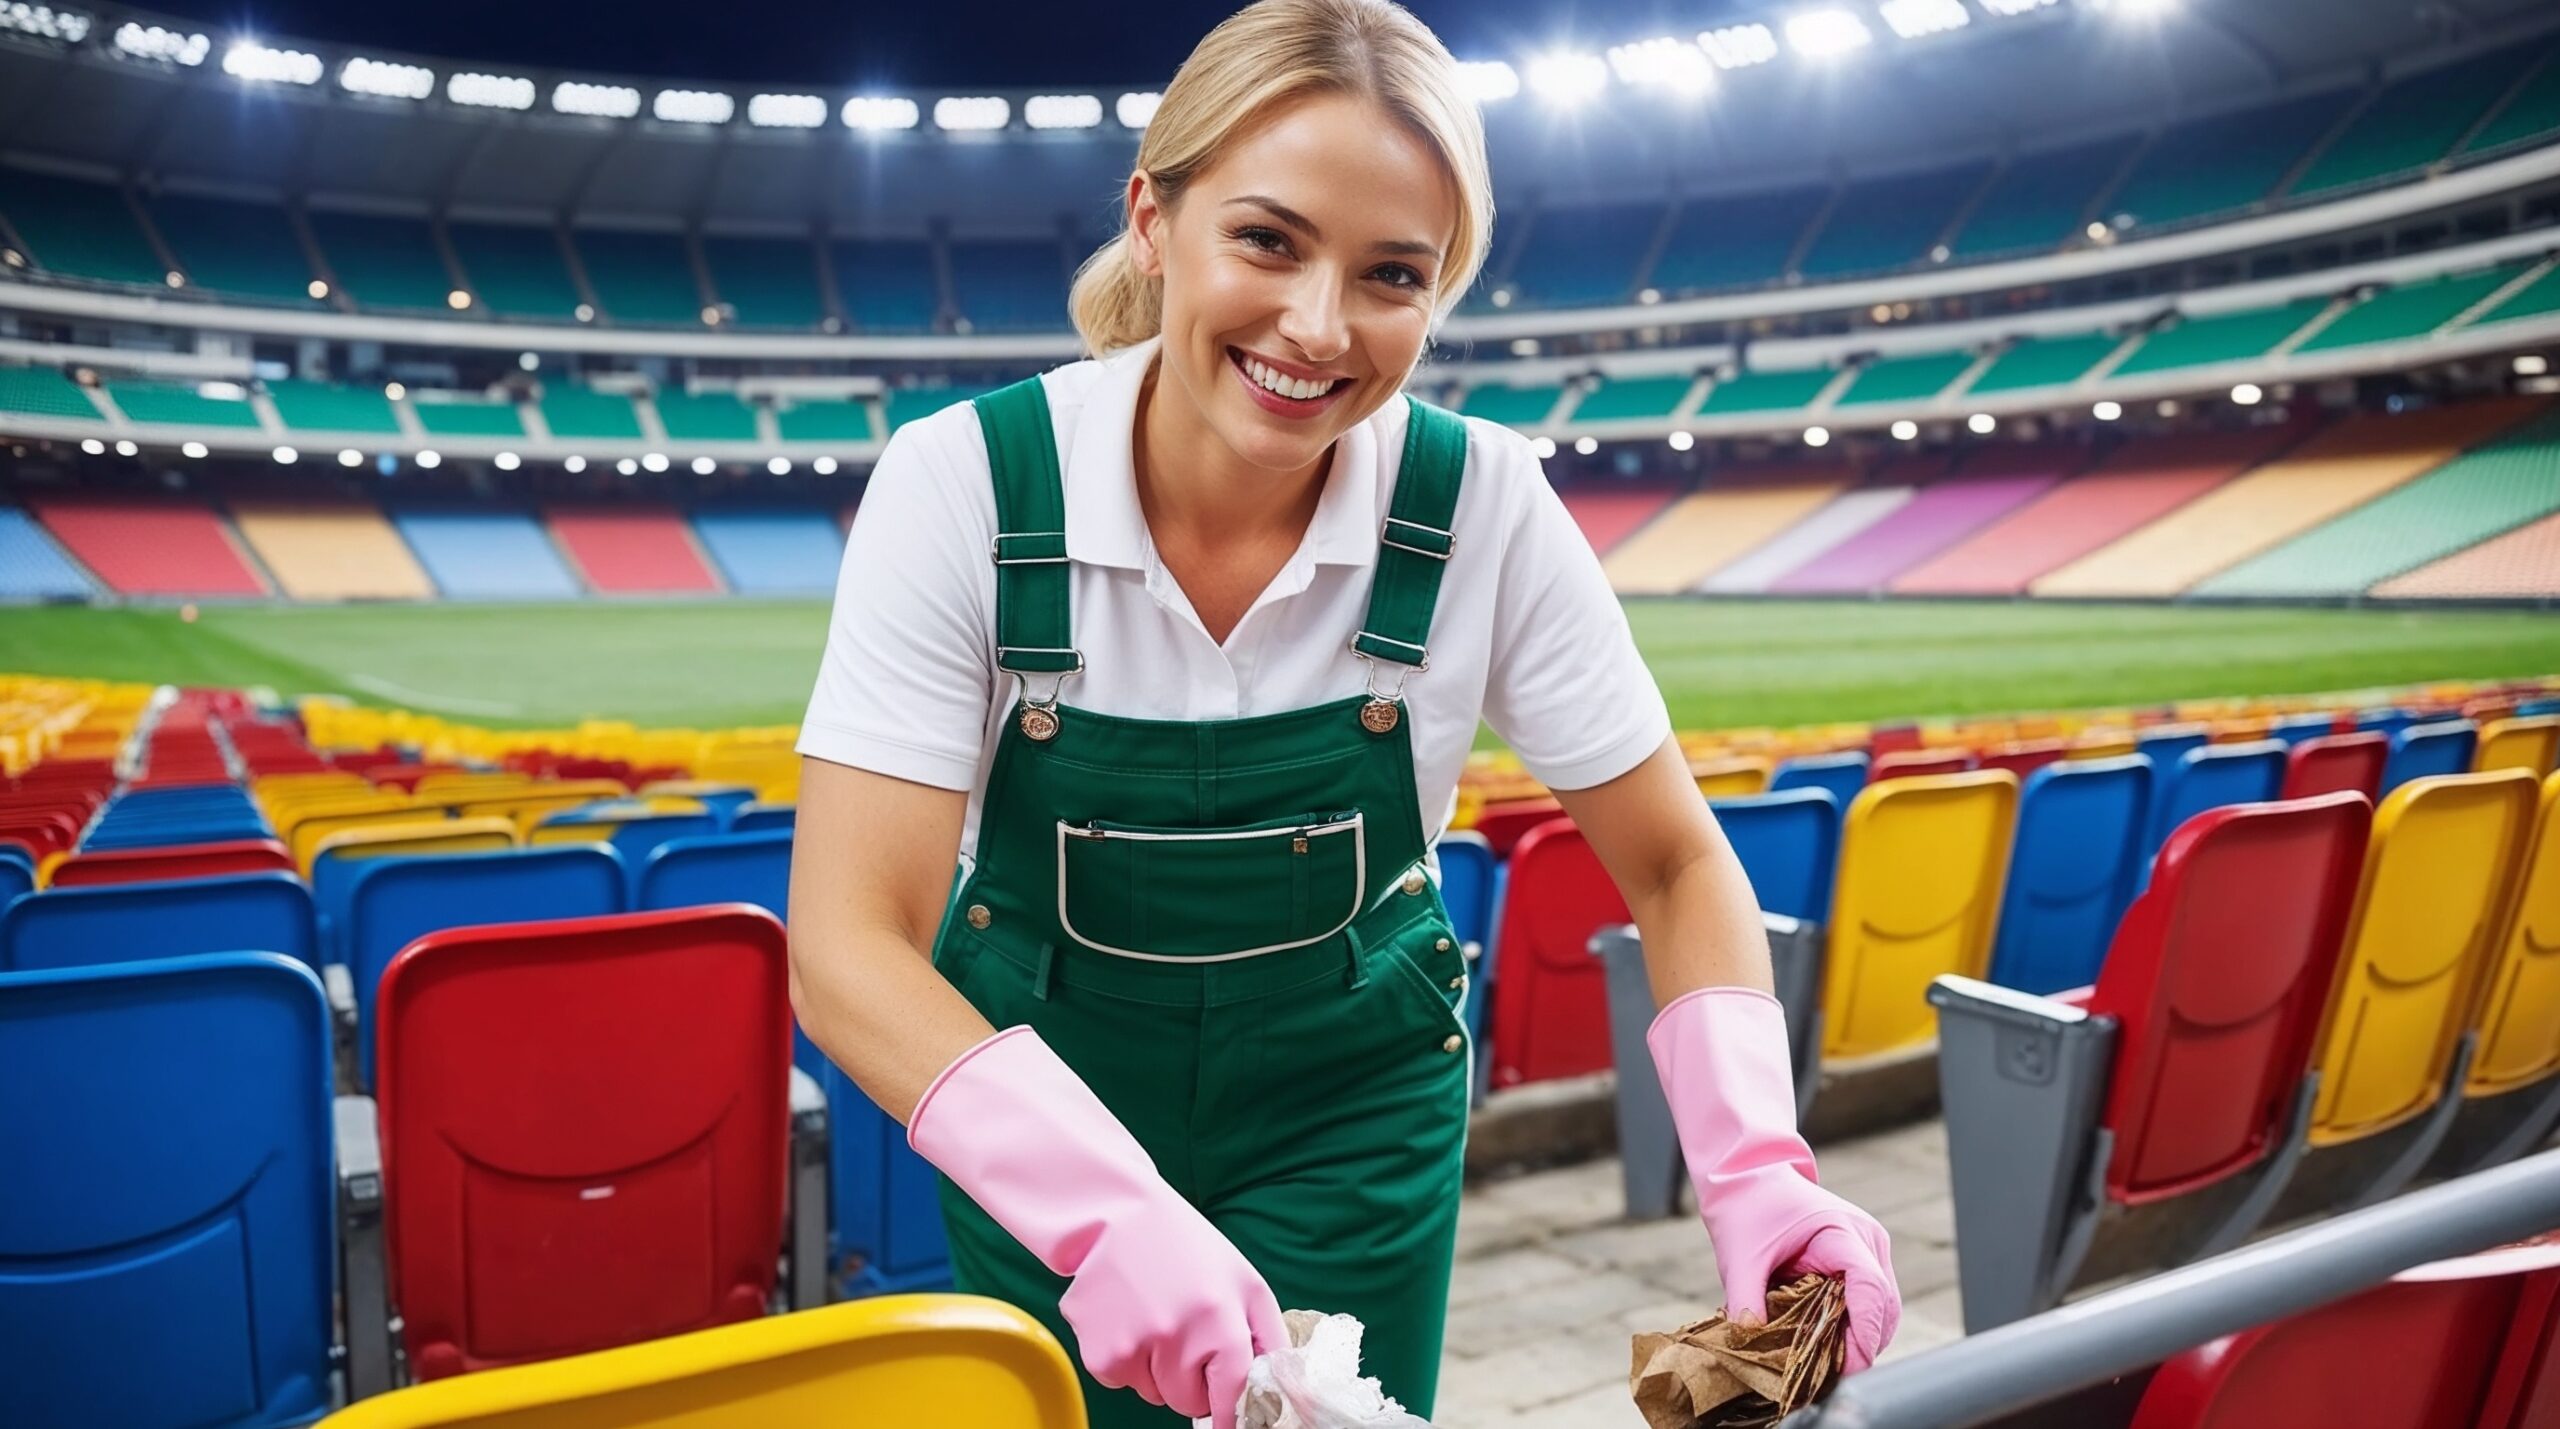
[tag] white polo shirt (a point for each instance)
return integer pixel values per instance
(1527, 634)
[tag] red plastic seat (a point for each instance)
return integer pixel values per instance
(584, 1131)
(2330, 763)
(155, 865)
(1914, 763)
(1550, 1004)
(2217, 978)
(1505, 823)
(2022, 758)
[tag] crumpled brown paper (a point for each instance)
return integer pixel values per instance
(1715, 1374)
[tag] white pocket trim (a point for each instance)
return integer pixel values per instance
(1356, 825)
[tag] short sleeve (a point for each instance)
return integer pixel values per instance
(903, 686)
(1567, 689)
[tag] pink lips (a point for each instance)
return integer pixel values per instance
(1278, 405)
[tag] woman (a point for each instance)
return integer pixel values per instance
(1183, 649)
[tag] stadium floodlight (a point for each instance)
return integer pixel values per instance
(1137, 109)
(693, 106)
(1682, 441)
(627, 467)
(1062, 111)
(2531, 364)
(1662, 63)
(429, 460)
(596, 101)
(1982, 424)
(1912, 19)
(1585, 446)
(972, 113)
(176, 279)
(1543, 447)
(1817, 436)
(317, 288)
(1567, 77)
(1826, 34)
(127, 448)
(287, 456)
(2136, 9)
(779, 466)
(1906, 430)
(386, 80)
(490, 91)
(704, 466)
(2248, 394)
(1739, 46)
(787, 111)
(351, 457)
(573, 465)
(45, 22)
(258, 64)
(507, 461)
(150, 42)
(2006, 8)
(2107, 411)
(93, 446)
(1488, 81)
(193, 451)
(824, 466)
(654, 461)
(457, 300)
(879, 112)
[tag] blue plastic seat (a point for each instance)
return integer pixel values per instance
(151, 818)
(2166, 745)
(2072, 871)
(2440, 747)
(17, 876)
(2209, 778)
(124, 922)
(718, 868)
(397, 900)
(167, 1233)
(2293, 729)
(751, 818)
(1842, 774)
(2384, 720)
(1466, 884)
(1788, 842)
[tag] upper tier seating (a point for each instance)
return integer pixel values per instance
(518, 272)
(1889, 223)
(1904, 379)
(887, 285)
(705, 416)
(486, 553)
(178, 404)
(2530, 115)
(2210, 166)
(1734, 240)
(76, 229)
(308, 406)
(2045, 362)
(771, 282)
(44, 392)
(1700, 532)
(465, 414)
(906, 404)
(235, 249)
(1512, 406)
(32, 567)
(1003, 285)
(1633, 399)
(2414, 121)
(2219, 337)
(776, 552)
(2412, 309)
(1584, 257)
(2540, 296)
(571, 412)
(382, 261)
(1765, 391)
(640, 277)
(631, 549)
(2037, 201)
(334, 552)
(822, 419)
(150, 545)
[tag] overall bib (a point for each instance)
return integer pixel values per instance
(1224, 927)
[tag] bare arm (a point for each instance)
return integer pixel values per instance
(871, 868)
(1687, 891)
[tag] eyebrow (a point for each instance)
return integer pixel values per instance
(1406, 247)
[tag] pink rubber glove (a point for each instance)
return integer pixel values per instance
(1722, 1056)
(1161, 1302)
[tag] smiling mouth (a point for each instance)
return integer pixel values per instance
(1279, 384)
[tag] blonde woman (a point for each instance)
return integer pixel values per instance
(1180, 650)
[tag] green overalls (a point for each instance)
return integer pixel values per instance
(1224, 927)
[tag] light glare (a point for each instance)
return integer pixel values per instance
(385, 80)
(490, 91)
(1739, 46)
(1826, 34)
(878, 112)
(1137, 109)
(1488, 81)
(971, 113)
(596, 101)
(787, 111)
(1566, 78)
(248, 60)
(1062, 111)
(693, 106)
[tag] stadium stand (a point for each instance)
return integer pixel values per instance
(1904, 379)
(631, 549)
(1934, 518)
(517, 272)
(770, 282)
(570, 412)
(2531, 114)
(888, 285)
(44, 392)
(332, 552)
(640, 277)
(141, 545)
(713, 416)
(481, 552)
(2039, 201)
(2540, 296)
(2523, 564)
(2044, 362)
(1584, 257)
(76, 229)
(906, 404)
(383, 261)
(822, 419)
(1889, 223)
(2414, 121)
(1729, 240)
(776, 552)
(2209, 166)
(1777, 391)
(235, 249)
(146, 401)
(1001, 285)
(1608, 517)
(308, 406)
(1922, 862)
(1632, 399)
(2412, 311)
(1697, 534)
(2220, 337)
(1837, 520)
(1512, 406)
(462, 414)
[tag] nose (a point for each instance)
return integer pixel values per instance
(1314, 320)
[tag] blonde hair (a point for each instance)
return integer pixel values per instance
(1267, 53)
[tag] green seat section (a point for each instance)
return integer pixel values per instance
(308, 406)
(79, 230)
(1511, 406)
(2493, 488)
(2531, 115)
(519, 272)
(2540, 296)
(1889, 223)
(1005, 285)
(641, 277)
(908, 403)
(2223, 337)
(240, 250)
(2413, 122)
(1583, 257)
(580, 412)
(44, 392)
(1905, 379)
(1733, 241)
(825, 420)
(2410, 310)
(382, 261)
(1633, 398)
(2228, 161)
(887, 285)
(460, 416)
(179, 405)
(2045, 362)
(705, 417)
(771, 282)
(2039, 200)
(1765, 391)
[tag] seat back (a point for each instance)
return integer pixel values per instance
(753, 818)
(1504, 824)
(1922, 861)
(2519, 1017)
(1842, 775)
(2072, 871)
(160, 865)
(107, 923)
(2437, 879)
(167, 1242)
(2528, 742)
(2216, 979)
(1788, 843)
(2023, 757)
(1550, 1010)
(1730, 778)
(2333, 763)
(952, 1361)
(584, 1127)
(719, 868)
(395, 901)
(2293, 729)
(2208, 778)
(17, 873)
(1920, 763)
(1466, 884)
(2436, 747)
(342, 855)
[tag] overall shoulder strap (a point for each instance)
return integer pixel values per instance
(1416, 542)
(1033, 631)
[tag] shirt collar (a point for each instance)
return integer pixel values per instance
(1106, 526)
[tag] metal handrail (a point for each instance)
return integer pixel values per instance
(2020, 1365)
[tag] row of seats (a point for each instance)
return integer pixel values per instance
(265, 253)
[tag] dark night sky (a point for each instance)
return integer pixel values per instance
(933, 44)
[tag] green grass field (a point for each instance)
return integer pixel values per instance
(1720, 663)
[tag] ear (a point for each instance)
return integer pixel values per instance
(1147, 219)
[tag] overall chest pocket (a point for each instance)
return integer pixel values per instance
(1192, 894)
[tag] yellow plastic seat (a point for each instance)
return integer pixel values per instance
(2438, 874)
(2519, 1018)
(310, 833)
(407, 840)
(1730, 778)
(1922, 864)
(896, 1362)
(2530, 743)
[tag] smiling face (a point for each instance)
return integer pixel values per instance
(1300, 275)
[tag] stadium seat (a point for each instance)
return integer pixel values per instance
(1503, 824)
(1002, 285)
(336, 551)
(339, 856)
(142, 545)
(2222, 162)
(1915, 378)
(2516, 1032)
(1936, 517)
(2524, 562)
(2413, 309)
(167, 1240)
(2528, 742)
(1512, 406)
(1884, 223)
(1732, 240)
(1584, 256)
(634, 836)
(769, 282)
(2413, 121)
(1550, 1014)
(178, 404)
(1609, 517)
(759, 815)
(584, 1129)
(79, 230)
(517, 271)
(888, 285)
(1698, 533)
(1730, 776)
(1842, 775)
(907, 404)
(2023, 757)
(2034, 361)
(486, 553)
(17, 874)
(1836, 521)
(1774, 390)
(1632, 399)
(631, 549)
(2203, 339)
(1922, 863)
(641, 277)
(711, 416)
(574, 413)
(2180, 1072)
(2037, 201)
(774, 551)
(1919, 763)
(2209, 777)
(238, 250)
(2075, 867)
(2327, 763)
(126, 922)
(1787, 841)
(955, 1362)
(383, 260)
(168, 862)
(32, 565)
(823, 419)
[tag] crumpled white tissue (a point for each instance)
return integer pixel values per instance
(1317, 1383)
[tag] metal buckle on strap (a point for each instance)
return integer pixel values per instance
(995, 549)
(1421, 662)
(1447, 547)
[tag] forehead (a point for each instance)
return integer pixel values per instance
(1343, 156)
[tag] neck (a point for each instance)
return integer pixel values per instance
(1192, 486)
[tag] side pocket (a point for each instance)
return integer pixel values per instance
(1414, 957)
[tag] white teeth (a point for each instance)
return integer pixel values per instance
(1286, 386)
